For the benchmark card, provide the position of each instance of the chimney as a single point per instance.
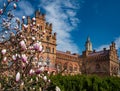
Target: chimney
(37, 14)
(94, 51)
(68, 52)
(104, 49)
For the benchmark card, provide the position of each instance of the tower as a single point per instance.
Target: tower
(88, 45)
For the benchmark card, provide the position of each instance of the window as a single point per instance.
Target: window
(48, 49)
(59, 67)
(65, 66)
(97, 67)
(75, 68)
(47, 38)
(70, 68)
(52, 50)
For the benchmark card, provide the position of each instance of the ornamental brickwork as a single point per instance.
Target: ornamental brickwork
(103, 63)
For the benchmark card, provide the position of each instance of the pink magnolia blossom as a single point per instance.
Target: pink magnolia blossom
(17, 76)
(25, 26)
(30, 47)
(14, 57)
(40, 63)
(33, 19)
(5, 59)
(31, 72)
(6, 32)
(1, 11)
(42, 69)
(57, 88)
(37, 46)
(23, 45)
(37, 71)
(14, 5)
(45, 78)
(24, 58)
(23, 17)
(33, 38)
(3, 51)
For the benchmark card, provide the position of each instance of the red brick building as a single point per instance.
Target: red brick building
(104, 62)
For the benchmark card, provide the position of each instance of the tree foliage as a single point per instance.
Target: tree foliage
(86, 83)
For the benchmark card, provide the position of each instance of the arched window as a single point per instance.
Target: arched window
(65, 66)
(52, 50)
(97, 67)
(70, 68)
(75, 68)
(59, 67)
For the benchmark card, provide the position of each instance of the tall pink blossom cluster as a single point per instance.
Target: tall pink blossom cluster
(37, 46)
(23, 45)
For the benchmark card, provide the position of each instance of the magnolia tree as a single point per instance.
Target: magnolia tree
(20, 65)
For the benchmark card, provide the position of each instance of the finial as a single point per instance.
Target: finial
(88, 38)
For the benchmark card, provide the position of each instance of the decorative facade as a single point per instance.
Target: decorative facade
(104, 62)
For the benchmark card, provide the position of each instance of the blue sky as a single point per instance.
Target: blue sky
(74, 20)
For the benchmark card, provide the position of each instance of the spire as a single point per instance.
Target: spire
(88, 39)
(88, 44)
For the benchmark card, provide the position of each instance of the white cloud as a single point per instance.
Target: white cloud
(117, 42)
(62, 14)
(101, 47)
(25, 9)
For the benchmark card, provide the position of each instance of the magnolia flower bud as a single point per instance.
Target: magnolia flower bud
(31, 72)
(24, 58)
(37, 46)
(14, 5)
(33, 38)
(17, 76)
(37, 71)
(5, 59)
(33, 19)
(14, 57)
(25, 27)
(45, 78)
(41, 69)
(6, 32)
(23, 45)
(3, 51)
(57, 88)
(23, 17)
(1, 11)
(37, 79)
(31, 80)
(49, 80)
(33, 23)
(40, 63)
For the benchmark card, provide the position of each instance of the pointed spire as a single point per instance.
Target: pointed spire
(88, 44)
(88, 39)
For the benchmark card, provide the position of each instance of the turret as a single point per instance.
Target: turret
(88, 45)
(37, 14)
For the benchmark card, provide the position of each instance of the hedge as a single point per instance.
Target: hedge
(86, 83)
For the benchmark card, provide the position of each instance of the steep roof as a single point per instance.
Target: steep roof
(100, 55)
